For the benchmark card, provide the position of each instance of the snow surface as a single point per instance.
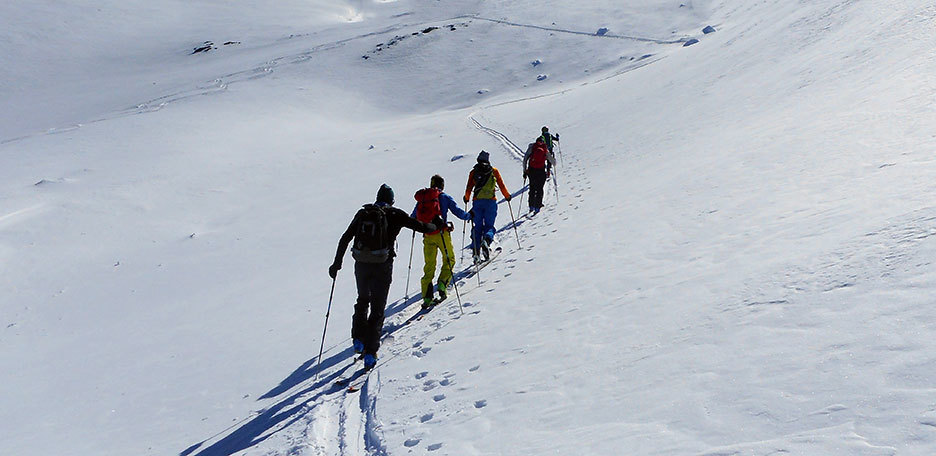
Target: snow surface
(739, 258)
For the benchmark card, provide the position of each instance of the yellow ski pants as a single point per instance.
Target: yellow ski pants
(431, 245)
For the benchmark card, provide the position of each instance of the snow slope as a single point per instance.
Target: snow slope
(738, 260)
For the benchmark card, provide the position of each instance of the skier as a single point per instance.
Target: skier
(537, 165)
(549, 138)
(374, 230)
(431, 203)
(481, 181)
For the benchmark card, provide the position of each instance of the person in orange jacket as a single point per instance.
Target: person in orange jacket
(481, 183)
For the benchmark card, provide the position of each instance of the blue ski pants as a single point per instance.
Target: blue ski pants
(485, 213)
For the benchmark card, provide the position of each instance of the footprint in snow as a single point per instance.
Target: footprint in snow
(474, 369)
(434, 446)
(438, 397)
(409, 443)
(421, 375)
(425, 418)
(429, 385)
(480, 404)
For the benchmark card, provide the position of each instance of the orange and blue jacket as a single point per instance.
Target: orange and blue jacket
(487, 190)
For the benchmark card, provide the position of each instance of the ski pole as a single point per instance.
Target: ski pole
(556, 187)
(474, 249)
(514, 224)
(452, 266)
(331, 295)
(410, 267)
(520, 207)
(464, 225)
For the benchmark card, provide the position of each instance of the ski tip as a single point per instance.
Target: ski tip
(352, 389)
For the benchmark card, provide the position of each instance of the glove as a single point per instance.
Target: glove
(451, 227)
(508, 198)
(471, 214)
(524, 175)
(438, 222)
(333, 269)
(557, 136)
(465, 199)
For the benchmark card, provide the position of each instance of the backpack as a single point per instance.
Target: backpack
(538, 157)
(427, 206)
(482, 175)
(372, 240)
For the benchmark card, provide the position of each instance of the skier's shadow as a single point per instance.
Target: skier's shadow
(250, 432)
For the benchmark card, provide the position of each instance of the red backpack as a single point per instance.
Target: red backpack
(538, 158)
(427, 207)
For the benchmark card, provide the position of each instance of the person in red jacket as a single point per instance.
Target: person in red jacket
(537, 164)
(482, 181)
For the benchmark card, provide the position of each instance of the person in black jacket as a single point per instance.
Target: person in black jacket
(549, 138)
(374, 229)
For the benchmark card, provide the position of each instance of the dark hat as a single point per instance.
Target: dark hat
(545, 129)
(483, 157)
(385, 194)
(540, 139)
(437, 182)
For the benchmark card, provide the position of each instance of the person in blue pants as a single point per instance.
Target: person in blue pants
(483, 180)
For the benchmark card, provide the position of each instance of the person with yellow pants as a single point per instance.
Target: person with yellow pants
(432, 203)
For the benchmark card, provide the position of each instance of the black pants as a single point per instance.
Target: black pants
(373, 285)
(537, 182)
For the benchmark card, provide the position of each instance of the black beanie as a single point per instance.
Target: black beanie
(385, 194)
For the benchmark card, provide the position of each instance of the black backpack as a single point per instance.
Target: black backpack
(482, 173)
(372, 240)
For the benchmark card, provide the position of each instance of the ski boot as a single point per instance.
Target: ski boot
(428, 301)
(370, 360)
(358, 346)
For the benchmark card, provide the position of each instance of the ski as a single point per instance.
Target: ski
(473, 269)
(342, 382)
(360, 377)
(425, 310)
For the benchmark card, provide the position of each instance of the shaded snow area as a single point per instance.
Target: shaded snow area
(736, 257)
